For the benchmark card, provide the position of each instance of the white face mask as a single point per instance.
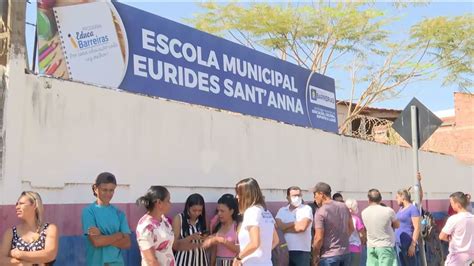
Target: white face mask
(296, 201)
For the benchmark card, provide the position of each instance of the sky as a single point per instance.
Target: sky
(430, 93)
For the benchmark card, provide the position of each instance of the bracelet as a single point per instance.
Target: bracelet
(238, 258)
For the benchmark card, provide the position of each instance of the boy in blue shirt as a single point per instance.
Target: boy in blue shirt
(104, 225)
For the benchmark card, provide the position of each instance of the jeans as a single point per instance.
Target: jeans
(363, 256)
(405, 260)
(341, 260)
(355, 258)
(299, 258)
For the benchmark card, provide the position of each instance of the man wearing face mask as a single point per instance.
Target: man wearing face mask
(295, 221)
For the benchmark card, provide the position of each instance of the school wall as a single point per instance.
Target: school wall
(60, 134)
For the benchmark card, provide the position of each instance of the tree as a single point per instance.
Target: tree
(451, 46)
(351, 36)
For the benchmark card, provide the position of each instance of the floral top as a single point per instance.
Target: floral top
(158, 235)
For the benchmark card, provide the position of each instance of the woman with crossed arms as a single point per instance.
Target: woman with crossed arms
(32, 241)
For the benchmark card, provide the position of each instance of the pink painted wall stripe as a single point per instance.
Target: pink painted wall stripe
(68, 216)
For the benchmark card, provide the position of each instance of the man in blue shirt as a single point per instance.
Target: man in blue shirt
(104, 225)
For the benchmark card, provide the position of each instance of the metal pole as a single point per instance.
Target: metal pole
(33, 62)
(414, 145)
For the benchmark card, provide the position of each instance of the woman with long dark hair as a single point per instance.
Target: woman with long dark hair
(190, 228)
(223, 244)
(154, 234)
(257, 234)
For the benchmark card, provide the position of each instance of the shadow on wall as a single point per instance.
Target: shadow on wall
(72, 251)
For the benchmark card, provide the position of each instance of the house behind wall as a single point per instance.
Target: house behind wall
(454, 137)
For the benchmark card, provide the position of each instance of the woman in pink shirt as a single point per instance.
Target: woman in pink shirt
(359, 235)
(223, 243)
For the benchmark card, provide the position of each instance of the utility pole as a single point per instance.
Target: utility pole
(416, 168)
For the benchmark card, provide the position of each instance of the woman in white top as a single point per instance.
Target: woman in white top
(459, 231)
(257, 235)
(154, 233)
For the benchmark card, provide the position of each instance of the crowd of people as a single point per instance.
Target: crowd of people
(325, 231)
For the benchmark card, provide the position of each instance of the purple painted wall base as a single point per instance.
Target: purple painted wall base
(72, 246)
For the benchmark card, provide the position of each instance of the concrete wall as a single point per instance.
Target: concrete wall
(60, 134)
(57, 135)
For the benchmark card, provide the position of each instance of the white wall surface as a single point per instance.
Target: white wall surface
(59, 135)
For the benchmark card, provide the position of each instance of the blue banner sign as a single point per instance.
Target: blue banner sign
(154, 56)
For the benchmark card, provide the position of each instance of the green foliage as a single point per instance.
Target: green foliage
(451, 46)
(353, 36)
(309, 35)
(392, 137)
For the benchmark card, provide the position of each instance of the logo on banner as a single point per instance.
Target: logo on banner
(322, 97)
(87, 39)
